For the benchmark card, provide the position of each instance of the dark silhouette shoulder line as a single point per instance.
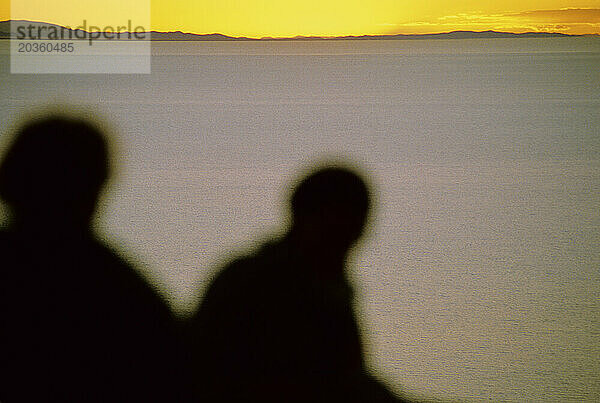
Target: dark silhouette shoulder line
(78, 322)
(278, 325)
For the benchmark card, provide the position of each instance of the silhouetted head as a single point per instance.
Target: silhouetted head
(329, 210)
(53, 172)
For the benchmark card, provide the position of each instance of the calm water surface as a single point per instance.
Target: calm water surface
(479, 279)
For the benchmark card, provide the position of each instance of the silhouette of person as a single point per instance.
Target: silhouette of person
(77, 322)
(278, 325)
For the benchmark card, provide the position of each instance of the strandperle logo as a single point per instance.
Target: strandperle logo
(46, 48)
(75, 37)
(82, 32)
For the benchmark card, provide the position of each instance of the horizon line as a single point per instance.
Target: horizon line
(324, 37)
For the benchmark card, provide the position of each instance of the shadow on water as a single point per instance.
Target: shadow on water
(278, 325)
(78, 322)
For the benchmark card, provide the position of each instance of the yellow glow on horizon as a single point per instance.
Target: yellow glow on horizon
(324, 17)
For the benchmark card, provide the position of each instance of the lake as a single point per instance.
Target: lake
(478, 279)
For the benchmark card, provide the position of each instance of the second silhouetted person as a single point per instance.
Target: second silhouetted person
(278, 325)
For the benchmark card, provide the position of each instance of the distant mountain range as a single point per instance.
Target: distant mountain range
(46, 28)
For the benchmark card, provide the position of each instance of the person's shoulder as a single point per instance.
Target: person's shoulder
(234, 275)
(252, 267)
(124, 275)
(112, 262)
(240, 278)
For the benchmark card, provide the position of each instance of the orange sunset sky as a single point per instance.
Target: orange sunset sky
(319, 17)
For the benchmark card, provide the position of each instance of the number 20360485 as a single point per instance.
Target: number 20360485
(45, 47)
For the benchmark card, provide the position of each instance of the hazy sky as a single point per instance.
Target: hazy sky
(319, 17)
